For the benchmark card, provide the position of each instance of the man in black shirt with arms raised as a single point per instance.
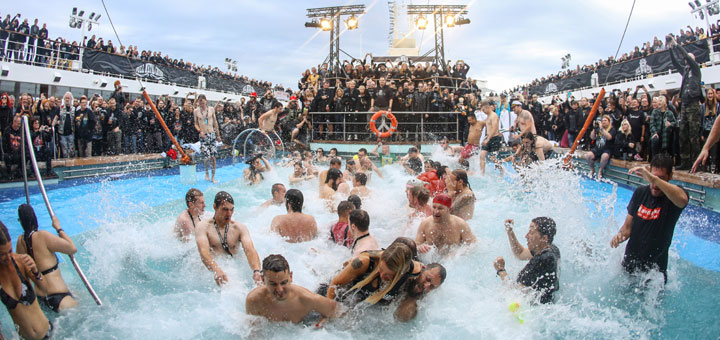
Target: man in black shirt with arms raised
(653, 212)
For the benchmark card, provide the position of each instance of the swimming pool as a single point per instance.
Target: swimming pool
(155, 287)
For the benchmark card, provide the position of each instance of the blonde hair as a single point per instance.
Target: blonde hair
(398, 258)
(711, 104)
(629, 128)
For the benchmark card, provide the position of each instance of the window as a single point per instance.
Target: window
(30, 88)
(7, 87)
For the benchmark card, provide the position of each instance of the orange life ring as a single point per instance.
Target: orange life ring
(393, 124)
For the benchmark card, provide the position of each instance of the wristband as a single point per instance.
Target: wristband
(59, 230)
(501, 270)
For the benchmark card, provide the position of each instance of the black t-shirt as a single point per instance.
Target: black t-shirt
(603, 144)
(637, 120)
(383, 96)
(653, 225)
(541, 273)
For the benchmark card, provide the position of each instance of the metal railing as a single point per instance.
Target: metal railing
(411, 126)
(53, 53)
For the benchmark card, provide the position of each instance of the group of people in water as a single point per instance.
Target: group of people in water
(440, 202)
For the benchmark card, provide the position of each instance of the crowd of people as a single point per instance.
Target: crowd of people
(440, 204)
(683, 37)
(339, 99)
(21, 41)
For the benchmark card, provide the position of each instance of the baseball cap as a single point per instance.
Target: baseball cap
(515, 102)
(253, 94)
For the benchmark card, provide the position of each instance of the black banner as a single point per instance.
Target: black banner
(571, 83)
(654, 63)
(116, 64)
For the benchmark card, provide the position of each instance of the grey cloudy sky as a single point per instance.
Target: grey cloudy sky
(507, 43)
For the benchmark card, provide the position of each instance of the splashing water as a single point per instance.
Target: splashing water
(155, 287)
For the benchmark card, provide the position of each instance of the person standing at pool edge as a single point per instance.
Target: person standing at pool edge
(207, 125)
(223, 235)
(653, 212)
(186, 223)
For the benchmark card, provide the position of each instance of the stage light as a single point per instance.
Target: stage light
(697, 3)
(351, 23)
(325, 24)
(97, 18)
(92, 15)
(421, 22)
(312, 24)
(83, 13)
(74, 12)
(462, 21)
(450, 20)
(691, 5)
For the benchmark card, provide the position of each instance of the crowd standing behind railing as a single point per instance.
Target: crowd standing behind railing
(657, 45)
(22, 42)
(439, 95)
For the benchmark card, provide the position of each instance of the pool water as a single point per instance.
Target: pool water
(155, 287)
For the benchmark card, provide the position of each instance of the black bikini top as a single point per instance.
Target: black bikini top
(28, 245)
(27, 294)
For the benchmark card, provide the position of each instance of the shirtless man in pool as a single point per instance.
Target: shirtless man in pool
(473, 140)
(221, 235)
(266, 122)
(280, 300)
(442, 229)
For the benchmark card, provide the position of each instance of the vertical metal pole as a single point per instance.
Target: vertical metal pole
(344, 126)
(22, 159)
(422, 126)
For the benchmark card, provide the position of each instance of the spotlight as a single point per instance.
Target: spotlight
(83, 12)
(72, 23)
(691, 5)
(97, 18)
(697, 3)
(312, 24)
(462, 21)
(351, 23)
(89, 26)
(74, 12)
(92, 15)
(450, 20)
(79, 24)
(325, 24)
(421, 22)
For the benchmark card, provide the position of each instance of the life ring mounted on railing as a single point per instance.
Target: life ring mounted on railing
(387, 130)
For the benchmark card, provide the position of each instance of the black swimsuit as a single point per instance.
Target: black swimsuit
(27, 294)
(352, 250)
(52, 301)
(364, 292)
(191, 218)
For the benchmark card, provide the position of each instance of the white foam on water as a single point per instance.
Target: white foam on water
(155, 287)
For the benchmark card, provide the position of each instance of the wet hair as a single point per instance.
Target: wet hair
(412, 149)
(410, 243)
(462, 176)
(221, 197)
(332, 175)
(443, 272)
(398, 258)
(364, 150)
(277, 104)
(336, 150)
(27, 218)
(335, 160)
(355, 200)
(361, 178)
(294, 198)
(192, 195)
(276, 187)
(360, 219)
(4, 235)
(345, 207)
(545, 226)
(662, 161)
(275, 263)
(422, 194)
(464, 164)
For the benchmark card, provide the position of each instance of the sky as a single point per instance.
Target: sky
(507, 43)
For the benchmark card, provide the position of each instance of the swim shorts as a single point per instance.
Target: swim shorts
(493, 144)
(207, 145)
(469, 150)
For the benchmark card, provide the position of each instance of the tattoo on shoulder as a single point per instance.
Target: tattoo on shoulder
(356, 264)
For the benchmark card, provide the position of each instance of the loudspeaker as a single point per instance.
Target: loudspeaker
(5, 71)
(57, 77)
(103, 82)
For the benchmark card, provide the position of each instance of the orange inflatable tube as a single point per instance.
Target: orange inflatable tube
(588, 121)
(185, 158)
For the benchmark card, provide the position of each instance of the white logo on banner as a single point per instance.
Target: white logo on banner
(644, 68)
(150, 71)
(551, 88)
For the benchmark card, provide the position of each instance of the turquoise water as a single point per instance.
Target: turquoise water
(155, 287)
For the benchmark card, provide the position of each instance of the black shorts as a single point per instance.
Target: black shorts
(493, 144)
(598, 153)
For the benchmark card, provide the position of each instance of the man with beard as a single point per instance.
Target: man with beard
(268, 101)
(280, 300)
(442, 229)
(431, 277)
(252, 109)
